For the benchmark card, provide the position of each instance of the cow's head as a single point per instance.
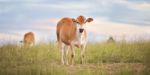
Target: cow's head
(81, 23)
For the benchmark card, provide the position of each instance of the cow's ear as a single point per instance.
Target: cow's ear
(89, 20)
(74, 20)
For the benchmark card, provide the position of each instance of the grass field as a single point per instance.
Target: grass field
(101, 59)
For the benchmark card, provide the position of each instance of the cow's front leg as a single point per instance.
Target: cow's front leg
(72, 55)
(82, 49)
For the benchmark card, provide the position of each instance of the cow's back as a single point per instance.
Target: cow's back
(66, 30)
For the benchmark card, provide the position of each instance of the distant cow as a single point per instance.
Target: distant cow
(71, 32)
(110, 40)
(28, 38)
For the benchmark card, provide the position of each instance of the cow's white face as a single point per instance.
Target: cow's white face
(81, 23)
(81, 28)
(80, 34)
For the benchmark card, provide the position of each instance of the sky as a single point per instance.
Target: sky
(122, 19)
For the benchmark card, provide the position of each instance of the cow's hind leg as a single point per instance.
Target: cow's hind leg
(62, 48)
(66, 54)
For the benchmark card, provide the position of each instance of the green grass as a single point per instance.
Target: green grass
(101, 59)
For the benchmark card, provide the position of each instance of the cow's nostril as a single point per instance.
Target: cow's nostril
(81, 30)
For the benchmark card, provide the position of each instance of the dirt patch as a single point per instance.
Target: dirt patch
(110, 68)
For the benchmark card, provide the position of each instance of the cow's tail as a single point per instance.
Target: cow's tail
(57, 32)
(57, 36)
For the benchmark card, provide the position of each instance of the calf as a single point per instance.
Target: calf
(28, 38)
(71, 32)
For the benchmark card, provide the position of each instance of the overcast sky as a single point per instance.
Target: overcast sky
(127, 19)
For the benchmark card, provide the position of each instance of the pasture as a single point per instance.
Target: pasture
(121, 58)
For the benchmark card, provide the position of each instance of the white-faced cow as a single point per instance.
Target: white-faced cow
(71, 32)
(28, 39)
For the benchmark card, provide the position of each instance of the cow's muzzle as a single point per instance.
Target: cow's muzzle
(81, 30)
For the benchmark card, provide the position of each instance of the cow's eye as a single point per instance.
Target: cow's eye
(77, 22)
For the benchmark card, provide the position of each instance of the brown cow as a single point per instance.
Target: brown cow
(71, 32)
(29, 38)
